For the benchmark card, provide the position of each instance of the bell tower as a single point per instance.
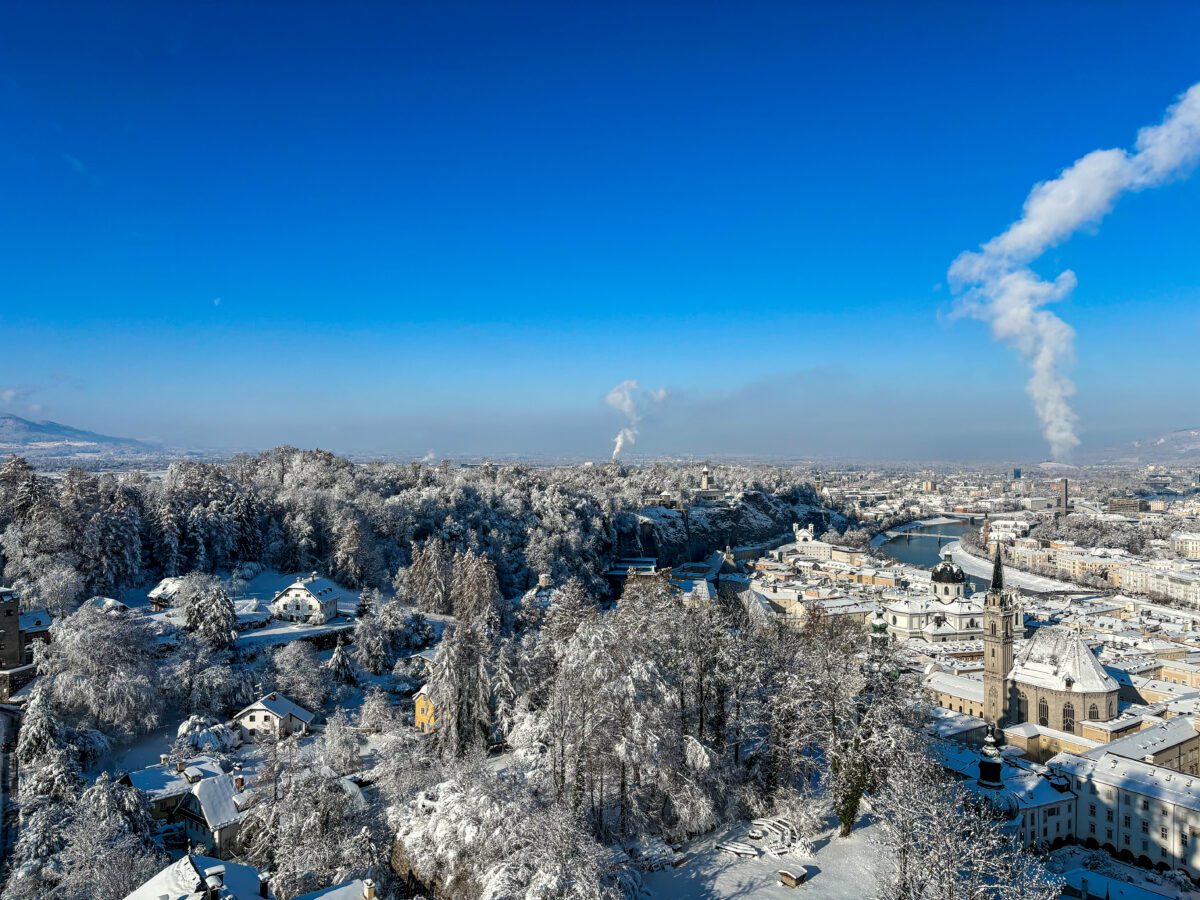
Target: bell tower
(998, 618)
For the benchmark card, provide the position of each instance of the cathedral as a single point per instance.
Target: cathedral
(1055, 682)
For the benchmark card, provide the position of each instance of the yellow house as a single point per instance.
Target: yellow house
(423, 717)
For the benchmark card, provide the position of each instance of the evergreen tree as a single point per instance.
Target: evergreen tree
(370, 646)
(340, 666)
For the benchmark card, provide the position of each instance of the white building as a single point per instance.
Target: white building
(274, 716)
(309, 599)
(1186, 544)
(1129, 807)
(947, 615)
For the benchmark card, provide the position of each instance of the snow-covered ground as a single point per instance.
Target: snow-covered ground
(1109, 877)
(839, 869)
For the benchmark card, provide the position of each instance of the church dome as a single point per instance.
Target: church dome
(947, 572)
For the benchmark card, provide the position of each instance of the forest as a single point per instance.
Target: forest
(579, 737)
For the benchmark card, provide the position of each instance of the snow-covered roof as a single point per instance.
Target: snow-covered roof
(351, 890)
(35, 620)
(164, 780)
(166, 589)
(1131, 775)
(278, 705)
(1059, 659)
(956, 686)
(1152, 740)
(219, 801)
(184, 879)
(325, 590)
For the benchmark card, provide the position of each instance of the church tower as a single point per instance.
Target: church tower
(998, 618)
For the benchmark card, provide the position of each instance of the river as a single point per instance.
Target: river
(918, 547)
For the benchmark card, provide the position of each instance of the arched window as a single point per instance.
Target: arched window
(1043, 713)
(1111, 713)
(893, 620)
(1094, 712)
(1022, 707)
(1069, 718)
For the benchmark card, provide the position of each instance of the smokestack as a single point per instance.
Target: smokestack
(368, 889)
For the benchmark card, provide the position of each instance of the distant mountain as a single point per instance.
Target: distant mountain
(1182, 446)
(19, 435)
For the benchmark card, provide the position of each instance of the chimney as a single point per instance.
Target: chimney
(543, 581)
(180, 765)
(263, 885)
(214, 881)
(272, 696)
(368, 889)
(164, 758)
(239, 783)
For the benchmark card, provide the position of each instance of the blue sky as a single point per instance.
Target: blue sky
(455, 227)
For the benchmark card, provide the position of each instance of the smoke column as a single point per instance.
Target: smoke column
(630, 400)
(996, 285)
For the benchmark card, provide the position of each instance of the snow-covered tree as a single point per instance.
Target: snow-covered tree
(298, 673)
(339, 667)
(208, 611)
(370, 644)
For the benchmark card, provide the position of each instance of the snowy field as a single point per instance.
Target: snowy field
(839, 869)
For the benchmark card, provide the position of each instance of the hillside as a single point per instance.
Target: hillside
(28, 438)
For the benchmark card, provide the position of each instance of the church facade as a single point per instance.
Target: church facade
(1055, 682)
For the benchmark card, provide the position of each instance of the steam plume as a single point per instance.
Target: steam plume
(996, 285)
(630, 400)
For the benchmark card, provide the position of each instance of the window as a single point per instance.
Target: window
(1127, 822)
(1043, 713)
(1145, 828)
(1163, 832)
(993, 629)
(1111, 711)
(1022, 707)
(1093, 712)
(1108, 815)
(1068, 718)
(1091, 828)
(1092, 810)
(1126, 840)
(1145, 804)
(1183, 838)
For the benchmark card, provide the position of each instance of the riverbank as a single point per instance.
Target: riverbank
(979, 567)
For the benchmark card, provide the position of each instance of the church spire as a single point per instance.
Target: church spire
(997, 572)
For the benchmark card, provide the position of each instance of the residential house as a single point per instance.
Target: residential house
(211, 813)
(424, 715)
(203, 878)
(273, 716)
(165, 784)
(309, 599)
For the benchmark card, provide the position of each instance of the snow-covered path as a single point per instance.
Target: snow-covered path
(840, 869)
